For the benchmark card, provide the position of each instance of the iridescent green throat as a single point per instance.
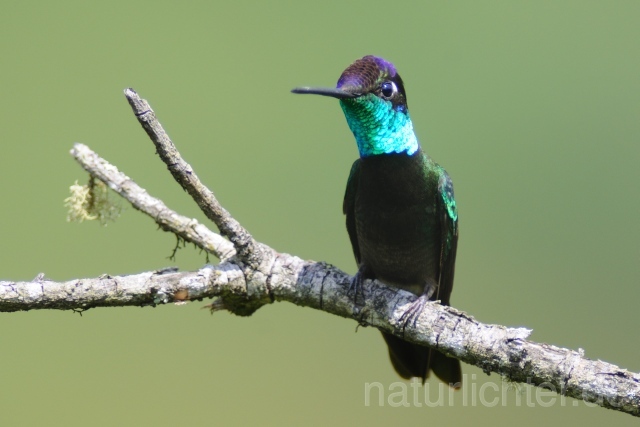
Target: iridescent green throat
(379, 128)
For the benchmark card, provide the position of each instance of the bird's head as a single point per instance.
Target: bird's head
(374, 101)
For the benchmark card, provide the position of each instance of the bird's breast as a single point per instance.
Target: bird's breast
(397, 224)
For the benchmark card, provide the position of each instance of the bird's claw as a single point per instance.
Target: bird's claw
(410, 315)
(356, 289)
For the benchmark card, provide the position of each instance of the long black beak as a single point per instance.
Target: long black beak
(325, 91)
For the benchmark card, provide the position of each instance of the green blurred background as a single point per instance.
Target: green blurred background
(532, 107)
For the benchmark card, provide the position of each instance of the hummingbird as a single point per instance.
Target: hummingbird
(399, 204)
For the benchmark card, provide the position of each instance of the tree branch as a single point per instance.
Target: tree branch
(248, 249)
(188, 229)
(258, 275)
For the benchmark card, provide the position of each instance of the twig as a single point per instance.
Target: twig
(188, 229)
(248, 249)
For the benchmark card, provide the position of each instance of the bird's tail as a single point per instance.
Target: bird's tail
(413, 360)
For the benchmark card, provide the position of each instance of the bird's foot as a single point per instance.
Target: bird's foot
(410, 315)
(356, 288)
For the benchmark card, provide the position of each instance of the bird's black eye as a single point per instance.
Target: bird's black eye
(388, 89)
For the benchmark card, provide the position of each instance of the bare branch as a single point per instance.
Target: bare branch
(494, 348)
(188, 229)
(145, 289)
(258, 275)
(247, 248)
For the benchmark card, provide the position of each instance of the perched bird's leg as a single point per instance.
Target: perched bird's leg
(356, 287)
(415, 308)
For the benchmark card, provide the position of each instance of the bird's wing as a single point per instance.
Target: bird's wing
(448, 213)
(348, 207)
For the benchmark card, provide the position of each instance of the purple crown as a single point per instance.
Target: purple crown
(366, 73)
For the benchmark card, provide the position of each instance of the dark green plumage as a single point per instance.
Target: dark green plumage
(401, 213)
(404, 236)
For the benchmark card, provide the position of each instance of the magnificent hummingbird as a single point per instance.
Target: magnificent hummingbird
(399, 204)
